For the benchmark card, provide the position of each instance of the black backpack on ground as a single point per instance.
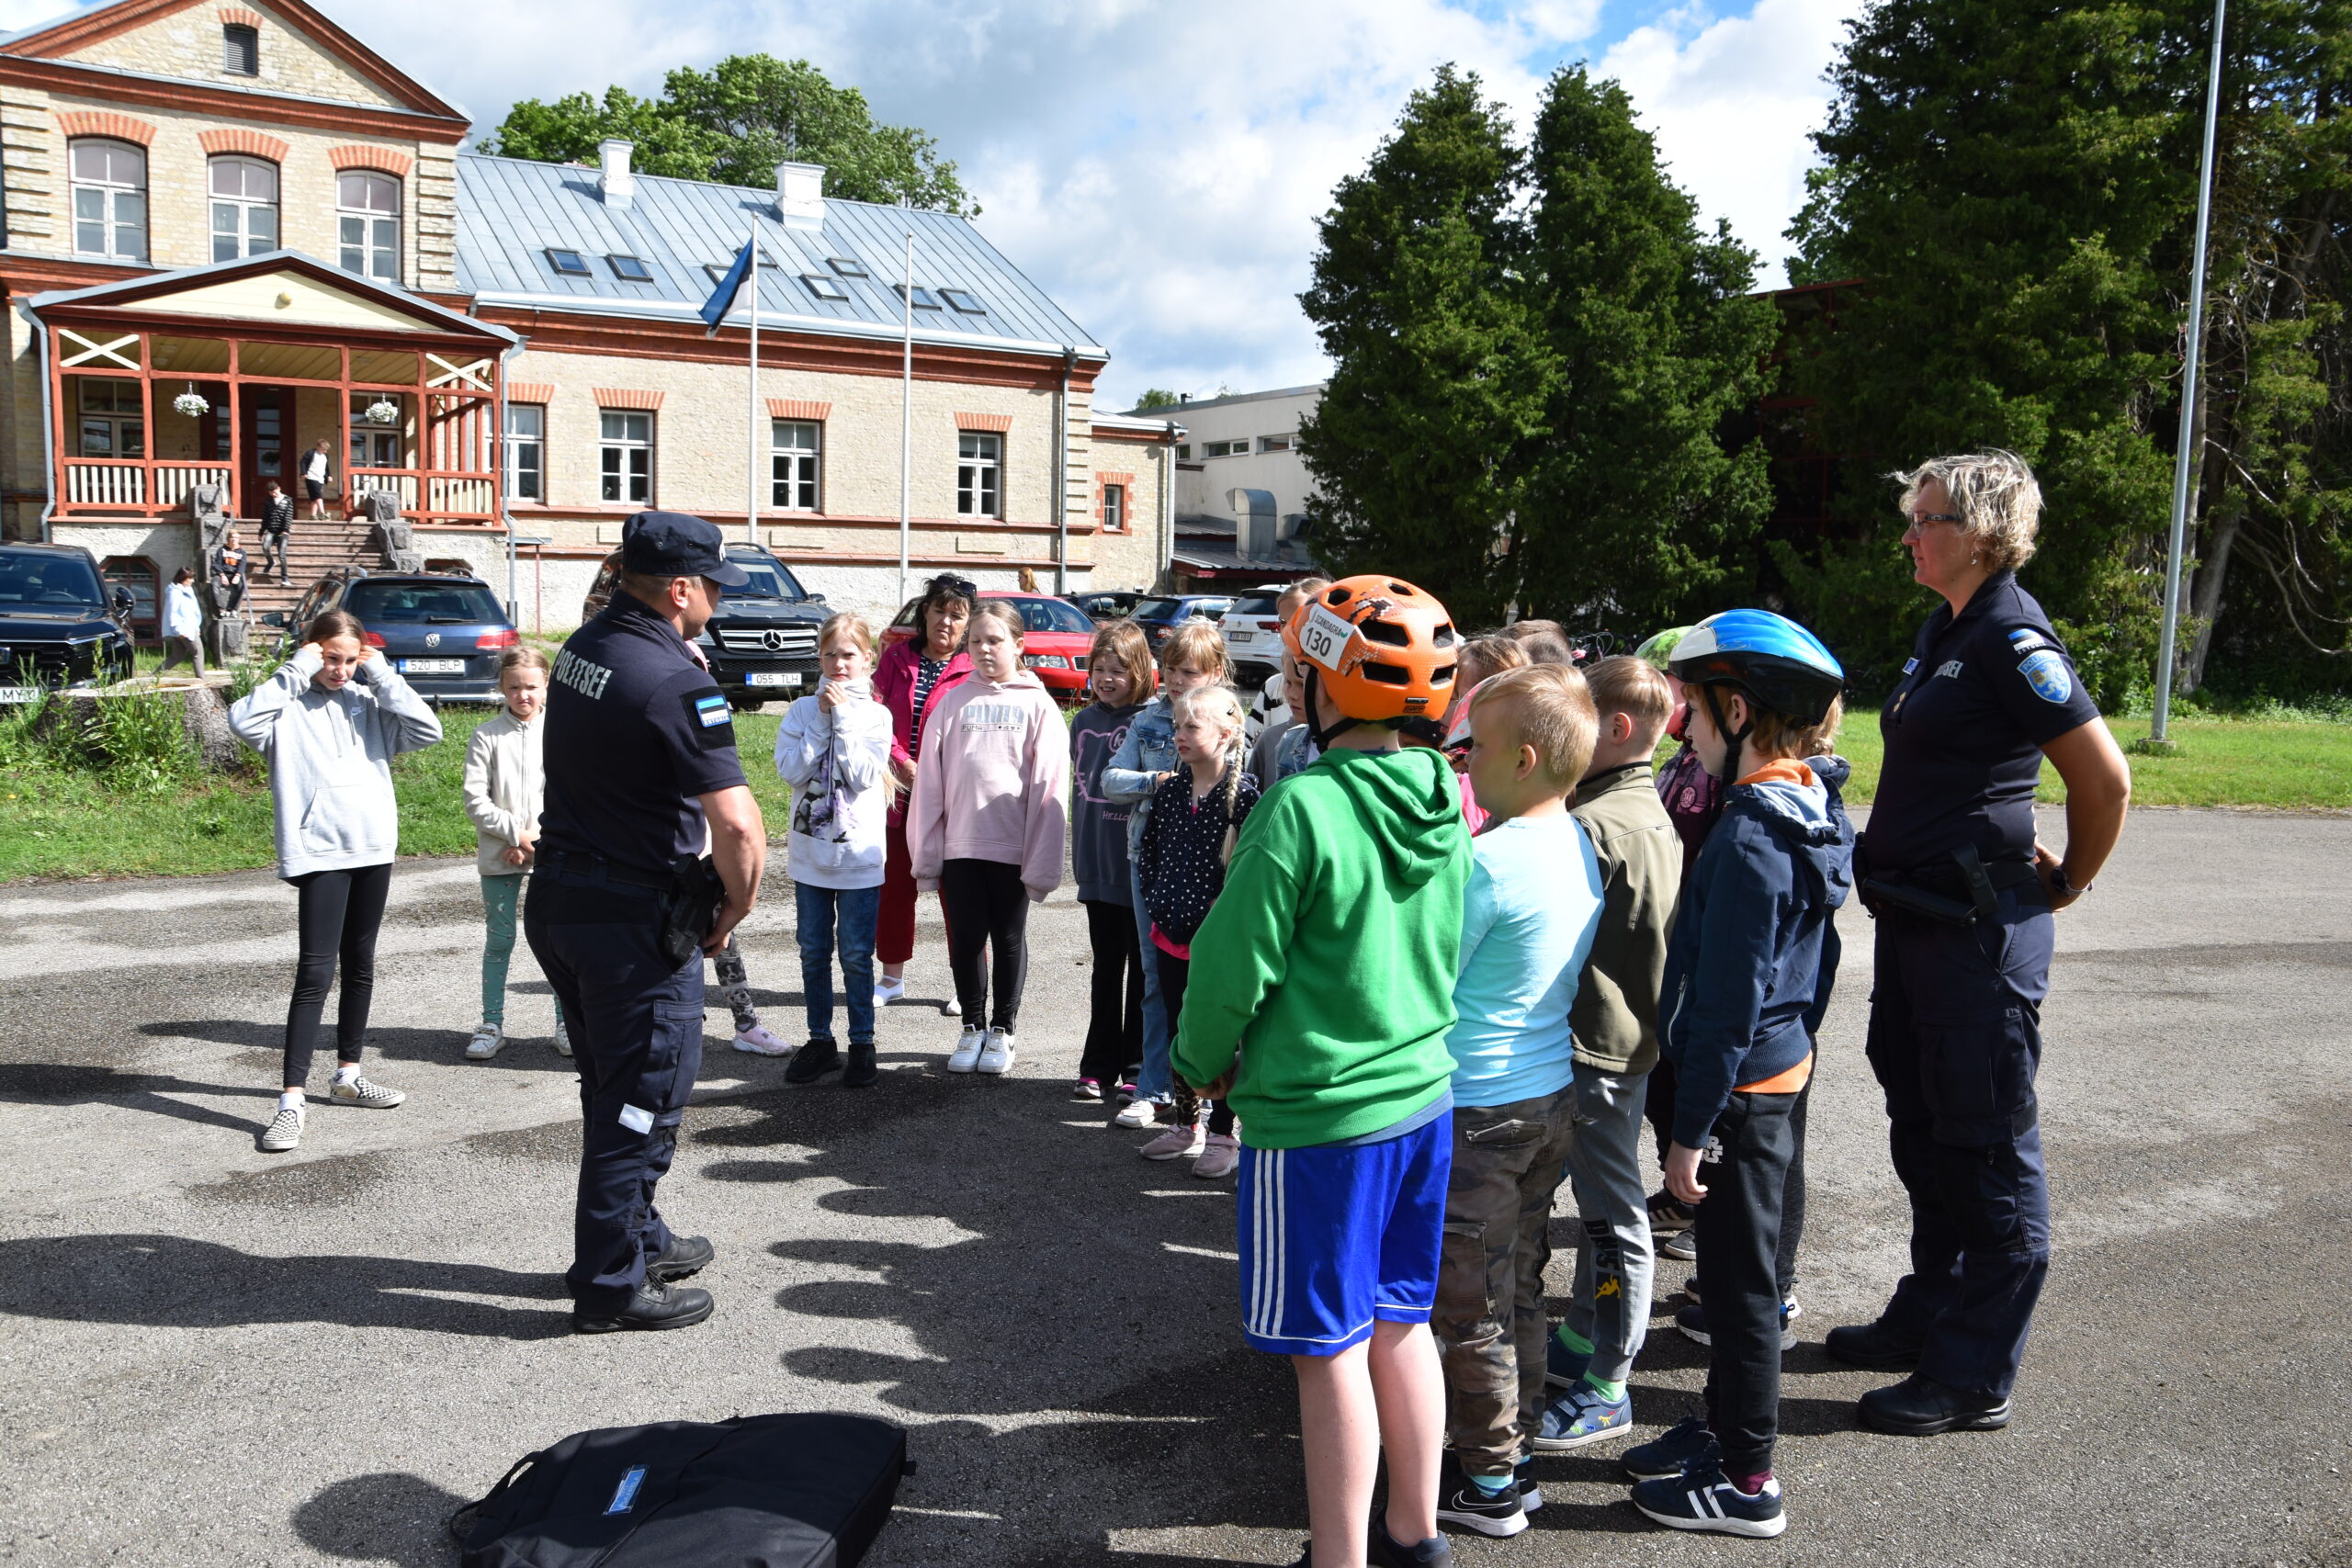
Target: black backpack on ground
(756, 1492)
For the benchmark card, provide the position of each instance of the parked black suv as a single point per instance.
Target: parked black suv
(762, 642)
(58, 626)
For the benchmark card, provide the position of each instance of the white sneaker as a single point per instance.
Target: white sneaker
(966, 1054)
(761, 1041)
(368, 1096)
(562, 1039)
(284, 1132)
(1136, 1113)
(888, 991)
(951, 1008)
(1176, 1143)
(997, 1054)
(488, 1038)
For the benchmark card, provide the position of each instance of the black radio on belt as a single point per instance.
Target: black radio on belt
(1979, 886)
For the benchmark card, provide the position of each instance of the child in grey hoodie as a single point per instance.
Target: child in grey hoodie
(330, 722)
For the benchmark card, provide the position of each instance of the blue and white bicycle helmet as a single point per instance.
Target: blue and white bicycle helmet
(1776, 663)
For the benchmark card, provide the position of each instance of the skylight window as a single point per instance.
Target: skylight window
(823, 288)
(964, 299)
(631, 269)
(924, 300)
(848, 267)
(567, 264)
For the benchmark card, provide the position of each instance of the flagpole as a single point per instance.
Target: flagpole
(907, 418)
(751, 416)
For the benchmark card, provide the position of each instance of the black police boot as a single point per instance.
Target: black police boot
(684, 1256)
(1871, 1345)
(861, 1071)
(813, 1061)
(655, 1305)
(1919, 1407)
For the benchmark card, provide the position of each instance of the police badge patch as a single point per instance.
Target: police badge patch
(2047, 674)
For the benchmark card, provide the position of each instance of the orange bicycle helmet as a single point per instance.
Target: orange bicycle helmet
(1381, 649)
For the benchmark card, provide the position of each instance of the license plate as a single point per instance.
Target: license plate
(1238, 635)
(772, 678)
(433, 666)
(19, 694)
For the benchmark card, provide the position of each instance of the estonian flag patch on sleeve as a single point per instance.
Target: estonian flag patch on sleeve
(710, 710)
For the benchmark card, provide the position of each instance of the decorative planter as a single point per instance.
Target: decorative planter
(191, 405)
(384, 412)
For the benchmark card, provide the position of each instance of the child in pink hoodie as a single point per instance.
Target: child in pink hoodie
(986, 825)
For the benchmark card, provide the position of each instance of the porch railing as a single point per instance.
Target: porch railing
(117, 485)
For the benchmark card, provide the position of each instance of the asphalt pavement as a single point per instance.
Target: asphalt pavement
(209, 1356)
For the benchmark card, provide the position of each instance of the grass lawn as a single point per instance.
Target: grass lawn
(2293, 764)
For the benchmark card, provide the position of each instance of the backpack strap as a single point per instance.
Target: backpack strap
(461, 1523)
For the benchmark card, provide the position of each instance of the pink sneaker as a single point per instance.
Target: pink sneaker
(1176, 1143)
(1219, 1157)
(761, 1041)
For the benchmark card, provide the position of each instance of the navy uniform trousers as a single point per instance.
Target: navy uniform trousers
(636, 1026)
(1955, 1037)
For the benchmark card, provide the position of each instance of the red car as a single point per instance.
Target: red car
(1060, 634)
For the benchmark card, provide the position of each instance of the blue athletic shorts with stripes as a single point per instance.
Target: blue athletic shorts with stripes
(1336, 1235)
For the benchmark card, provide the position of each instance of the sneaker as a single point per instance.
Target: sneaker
(1583, 1415)
(368, 1096)
(862, 1068)
(1683, 1245)
(951, 1008)
(1136, 1113)
(1087, 1091)
(966, 1054)
(997, 1055)
(1385, 1551)
(888, 991)
(1125, 1093)
(1462, 1501)
(1176, 1143)
(562, 1040)
(1530, 1498)
(486, 1042)
(1703, 1498)
(1682, 1445)
(816, 1059)
(1562, 1366)
(1668, 1215)
(761, 1041)
(655, 1305)
(1919, 1407)
(284, 1132)
(1693, 1321)
(1219, 1154)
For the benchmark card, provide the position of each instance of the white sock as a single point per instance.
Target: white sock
(346, 1072)
(290, 1100)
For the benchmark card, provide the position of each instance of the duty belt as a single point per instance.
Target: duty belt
(596, 868)
(1928, 890)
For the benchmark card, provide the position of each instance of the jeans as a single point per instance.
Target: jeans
(1609, 1304)
(846, 917)
(987, 909)
(338, 915)
(1156, 1082)
(1745, 1169)
(1115, 1030)
(1489, 1322)
(500, 897)
(273, 548)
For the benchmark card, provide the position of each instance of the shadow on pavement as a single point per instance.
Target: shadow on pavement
(392, 1517)
(392, 1044)
(169, 1282)
(59, 1083)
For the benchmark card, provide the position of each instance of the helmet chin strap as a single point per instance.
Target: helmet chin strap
(1323, 736)
(1732, 742)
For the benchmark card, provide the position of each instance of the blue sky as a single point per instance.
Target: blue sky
(1159, 167)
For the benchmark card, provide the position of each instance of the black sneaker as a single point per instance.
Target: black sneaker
(1683, 1245)
(1919, 1407)
(655, 1305)
(1530, 1496)
(1385, 1551)
(1693, 1321)
(1462, 1501)
(1703, 1498)
(862, 1070)
(813, 1061)
(685, 1255)
(1668, 1213)
(1871, 1345)
(1685, 1443)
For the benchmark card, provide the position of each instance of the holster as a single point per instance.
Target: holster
(1983, 884)
(690, 907)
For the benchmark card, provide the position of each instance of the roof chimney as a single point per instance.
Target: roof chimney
(800, 195)
(618, 184)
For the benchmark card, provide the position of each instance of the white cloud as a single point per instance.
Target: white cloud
(1158, 168)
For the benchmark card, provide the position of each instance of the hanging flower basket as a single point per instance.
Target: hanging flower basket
(384, 411)
(191, 405)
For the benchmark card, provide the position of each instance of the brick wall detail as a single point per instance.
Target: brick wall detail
(627, 398)
(353, 155)
(119, 127)
(1000, 423)
(238, 16)
(238, 139)
(799, 408)
(530, 391)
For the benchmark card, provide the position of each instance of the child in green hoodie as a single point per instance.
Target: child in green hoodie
(1326, 968)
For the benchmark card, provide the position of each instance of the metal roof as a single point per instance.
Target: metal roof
(511, 211)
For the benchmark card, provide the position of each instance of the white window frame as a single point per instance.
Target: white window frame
(625, 456)
(1115, 508)
(797, 471)
(121, 418)
(532, 440)
(378, 245)
(980, 474)
(242, 208)
(371, 442)
(113, 196)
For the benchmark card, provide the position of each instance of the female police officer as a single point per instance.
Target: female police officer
(1964, 894)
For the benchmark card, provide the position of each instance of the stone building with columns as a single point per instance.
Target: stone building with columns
(234, 230)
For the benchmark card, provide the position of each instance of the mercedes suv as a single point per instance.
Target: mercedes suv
(761, 644)
(58, 626)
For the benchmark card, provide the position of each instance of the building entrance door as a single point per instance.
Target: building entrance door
(268, 446)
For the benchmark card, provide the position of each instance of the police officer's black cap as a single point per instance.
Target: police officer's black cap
(674, 544)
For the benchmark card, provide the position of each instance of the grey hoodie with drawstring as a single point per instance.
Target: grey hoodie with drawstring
(330, 761)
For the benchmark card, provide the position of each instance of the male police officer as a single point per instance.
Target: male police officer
(642, 774)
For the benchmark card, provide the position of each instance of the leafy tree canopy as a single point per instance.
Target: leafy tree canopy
(1156, 398)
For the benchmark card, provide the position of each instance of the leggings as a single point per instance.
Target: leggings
(1114, 1030)
(339, 912)
(500, 895)
(987, 907)
(1173, 973)
(735, 985)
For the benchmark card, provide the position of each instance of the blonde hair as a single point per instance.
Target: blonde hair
(1634, 687)
(1123, 643)
(1220, 704)
(1551, 710)
(1996, 497)
(1195, 645)
(851, 623)
(1003, 610)
(523, 657)
(1773, 734)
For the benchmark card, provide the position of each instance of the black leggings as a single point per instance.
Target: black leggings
(987, 907)
(1173, 973)
(1114, 1032)
(340, 913)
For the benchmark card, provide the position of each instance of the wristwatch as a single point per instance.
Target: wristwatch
(2066, 889)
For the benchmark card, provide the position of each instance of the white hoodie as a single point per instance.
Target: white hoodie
(836, 762)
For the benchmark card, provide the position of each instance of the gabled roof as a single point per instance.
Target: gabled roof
(512, 210)
(57, 39)
(150, 288)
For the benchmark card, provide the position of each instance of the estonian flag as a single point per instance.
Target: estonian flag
(716, 308)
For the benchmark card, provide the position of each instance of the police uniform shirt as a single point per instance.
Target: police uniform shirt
(636, 730)
(1984, 691)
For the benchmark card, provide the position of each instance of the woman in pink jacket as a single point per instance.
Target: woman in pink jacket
(986, 823)
(910, 678)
